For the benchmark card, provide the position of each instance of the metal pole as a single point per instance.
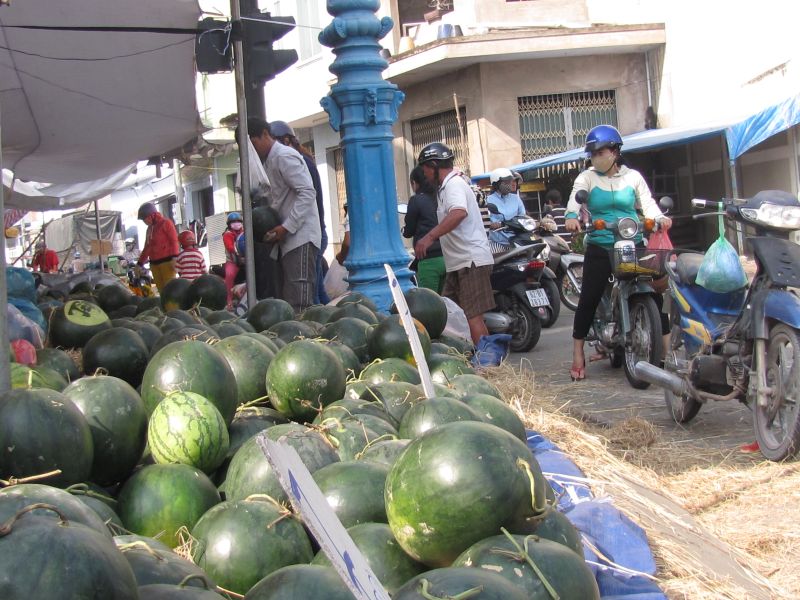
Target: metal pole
(244, 165)
(735, 194)
(99, 239)
(180, 197)
(5, 372)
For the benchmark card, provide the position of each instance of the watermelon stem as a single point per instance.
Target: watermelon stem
(144, 546)
(381, 438)
(527, 468)
(16, 481)
(8, 526)
(189, 578)
(81, 489)
(523, 554)
(462, 596)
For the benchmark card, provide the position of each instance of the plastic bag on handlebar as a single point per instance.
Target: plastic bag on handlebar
(721, 271)
(660, 243)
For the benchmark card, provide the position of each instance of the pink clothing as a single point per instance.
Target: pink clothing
(231, 270)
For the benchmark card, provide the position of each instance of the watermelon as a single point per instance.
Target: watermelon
(154, 563)
(220, 316)
(208, 291)
(390, 369)
(349, 360)
(163, 498)
(41, 431)
(434, 412)
(354, 491)
(290, 330)
(248, 360)
(227, 329)
(186, 428)
(182, 591)
(385, 452)
(303, 377)
(351, 435)
(494, 411)
(184, 316)
(59, 361)
(74, 324)
(250, 473)
(354, 311)
(249, 421)
(473, 384)
(383, 554)
(148, 304)
(389, 339)
(350, 407)
(118, 352)
(128, 310)
(458, 484)
(37, 377)
(551, 525)
(265, 218)
(174, 293)
(565, 571)
(268, 312)
(190, 366)
(357, 298)
(462, 582)
(353, 333)
(395, 396)
(127, 540)
(113, 297)
(82, 287)
(440, 348)
(42, 557)
(118, 422)
(318, 313)
(445, 368)
(99, 502)
(427, 307)
(239, 543)
(459, 344)
(301, 581)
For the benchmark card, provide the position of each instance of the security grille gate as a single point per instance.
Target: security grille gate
(557, 122)
(443, 127)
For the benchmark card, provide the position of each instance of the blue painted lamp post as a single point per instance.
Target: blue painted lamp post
(362, 107)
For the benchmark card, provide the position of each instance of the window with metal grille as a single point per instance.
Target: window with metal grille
(341, 187)
(445, 127)
(557, 122)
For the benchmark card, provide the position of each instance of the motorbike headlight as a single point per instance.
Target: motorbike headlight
(628, 228)
(773, 215)
(527, 223)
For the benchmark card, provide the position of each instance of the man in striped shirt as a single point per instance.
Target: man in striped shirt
(190, 263)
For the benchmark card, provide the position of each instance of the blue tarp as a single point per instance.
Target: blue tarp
(762, 125)
(609, 531)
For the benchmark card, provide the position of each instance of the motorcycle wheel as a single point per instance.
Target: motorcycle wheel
(568, 292)
(551, 289)
(681, 408)
(777, 425)
(526, 328)
(617, 358)
(645, 343)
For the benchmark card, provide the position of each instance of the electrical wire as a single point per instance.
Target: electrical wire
(76, 58)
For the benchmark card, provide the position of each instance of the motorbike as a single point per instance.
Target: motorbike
(743, 345)
(518, 295)
(520, 233)
(566, 264)
(627, 322)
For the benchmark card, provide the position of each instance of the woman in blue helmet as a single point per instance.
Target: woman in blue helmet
(615, 191)
(232, 259)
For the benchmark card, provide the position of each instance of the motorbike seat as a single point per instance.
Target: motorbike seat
(687, 267)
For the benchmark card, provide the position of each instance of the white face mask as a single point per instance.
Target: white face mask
(603, 162)
(236, 226)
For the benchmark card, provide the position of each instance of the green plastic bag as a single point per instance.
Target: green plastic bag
(721, 271)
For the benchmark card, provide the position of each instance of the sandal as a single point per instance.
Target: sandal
(578, 373)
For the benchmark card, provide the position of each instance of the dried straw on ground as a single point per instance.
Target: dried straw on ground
(720, 525)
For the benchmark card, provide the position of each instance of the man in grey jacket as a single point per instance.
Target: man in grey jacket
(292, 195)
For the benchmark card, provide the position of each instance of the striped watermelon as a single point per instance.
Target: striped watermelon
(186, 428)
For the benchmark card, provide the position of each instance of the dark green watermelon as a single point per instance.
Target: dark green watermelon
(113, 297)
(551, 525)
(304, 377)
(239, 543)
(383, 554)
(389, 340)
(319, 313)
(249, 360)
(350, 362)
(353, 333)
(186, 428)
(208, 291)
(427, 307)
(469, 383)
(445, 368)
(130, 539)
(82, 287)
(495, 411)
(148, 304)
(227, 329)
(190, 366)
(354, 311)
(173, 295)
(351, 435)
(434, 412)
(564, 570)
(349, 407)
(220, 316)
(149, 332)
(385, 452)
(301, 581)
(395, 396)
(186, 317)
(354, 491)
(457, 484)
(461, 582)
(182, 591)
(118, 422)
(390, 369)
(250, 421)
(59, 361)
(99, 503)
(353, 297)
(265, 218)
(119, 352)
(23, 377)
(41, 431)
(163, 498)
(290, 331)
(460, 345)
(153, 564)
(74, 324)
(41, 557)
(268, 312)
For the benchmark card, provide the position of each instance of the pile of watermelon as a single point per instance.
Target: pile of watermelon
(150, 446)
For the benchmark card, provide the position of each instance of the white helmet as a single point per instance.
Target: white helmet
(499, 175)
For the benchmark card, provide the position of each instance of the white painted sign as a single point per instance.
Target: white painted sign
(310, 503)
(411, 332)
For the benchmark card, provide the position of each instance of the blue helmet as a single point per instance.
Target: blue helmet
(602, 136)
(233, 216)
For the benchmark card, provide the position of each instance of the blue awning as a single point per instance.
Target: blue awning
(762, 125)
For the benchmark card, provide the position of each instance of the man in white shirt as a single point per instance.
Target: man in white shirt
(467, 257)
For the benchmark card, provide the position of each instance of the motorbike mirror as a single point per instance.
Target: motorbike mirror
(402, 209)
(581, 196)
(492, 208)
(666, 203)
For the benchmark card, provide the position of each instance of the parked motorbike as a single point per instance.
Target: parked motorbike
(520, 233)
(627, 323)
(744, 345)
(566, 264)
(518, 295)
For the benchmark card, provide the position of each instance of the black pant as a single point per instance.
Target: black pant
(596, 273)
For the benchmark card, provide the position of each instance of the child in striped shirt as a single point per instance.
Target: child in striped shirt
(190, 264)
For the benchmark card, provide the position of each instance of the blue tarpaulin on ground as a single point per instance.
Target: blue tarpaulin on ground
(762, 125)
(608, 530)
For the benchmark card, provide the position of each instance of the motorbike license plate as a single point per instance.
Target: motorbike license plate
(537, 298)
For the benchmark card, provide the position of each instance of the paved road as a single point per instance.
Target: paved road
(607, 398)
